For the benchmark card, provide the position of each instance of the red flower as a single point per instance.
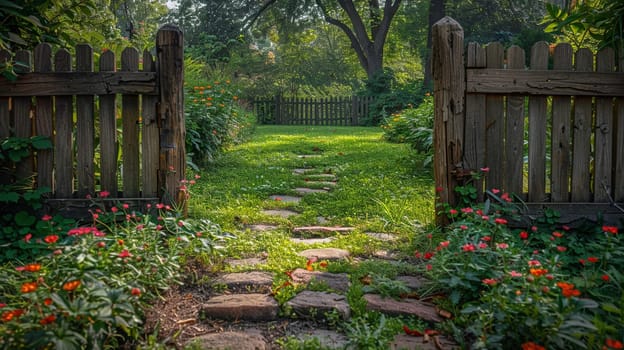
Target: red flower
(453, 212)
(104, 194)
(32, 267)
(486, 238)
(561, 248)
(557, 234)
(467, 210)
(505, 197)
(605, 278)
(592, 259)
(135, 291)
(46, 217)
(27, 237)
(51, 239)
(614, 344)
(47, 302)
(47, 320)
(610, 229)
(500, 221)
(114, 209)
(489, 281)
(428, 255)
(468, 247)
(439, 189)
(9, 315)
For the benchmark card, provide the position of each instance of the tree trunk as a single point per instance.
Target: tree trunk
(436, 13)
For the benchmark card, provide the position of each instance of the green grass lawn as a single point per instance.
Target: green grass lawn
(380, 185)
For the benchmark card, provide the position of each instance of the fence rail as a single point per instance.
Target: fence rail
(551, 132)
(81, 108)
(345, 111)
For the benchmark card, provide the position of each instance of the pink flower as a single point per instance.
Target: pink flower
(505, 197)
(453, 212)
(468, 247)
(485, 169)
(534, 263)
(125, 206)
(495, 190)
(485, 217)
(486, 238)
(125, 254)
(444, 244)
(482, 245)
(463, 227)
(489, 281)
(197, 177)
(439, 189)
(500, 221)
(502, 245)
(181, 223)
(557, 234)
(46, 217)
(515, 274)
(534, 228)
(114, 209)
(561, 248)
(429, 267)
(27, 237)
(467, 210)
(104, 194)
(160, 206)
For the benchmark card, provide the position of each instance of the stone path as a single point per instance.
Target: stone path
(247, 297)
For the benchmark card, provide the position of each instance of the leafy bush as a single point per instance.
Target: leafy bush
(548, 285)
(90, 287)
(413, 126)
(215, 117)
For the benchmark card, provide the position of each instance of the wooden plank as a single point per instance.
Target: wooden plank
(108, 132)
(82, 83)
(544, 82)
(581, 149)
(474, 132)
(22, 114)
(63, 140)
(85, 128)
(561, 142)
(43, 120)
(537, 128)
(494, 123)
(5, 116)
(449, 90)
(169, 45)
(618, 149)
(603, 160)
(577, 212)
(514, 130)
(130, 130)
(149, 137)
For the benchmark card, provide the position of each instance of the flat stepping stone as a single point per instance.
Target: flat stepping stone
(386, 237)
(319, 177)
(305, 190)
(389, 306)
(408, 342)
(303, 156)
(327, 338)
(321, 183)
(301, 171)
(283, 213)
(317, 304)
(412, 282)
(248, 340)
(249, 307)
(310, 241)
(261, 227)
(385, 255)
(335, 281)
(252, 280)
(285, 198)
(325, 253)
(245, 262)
(322, 229)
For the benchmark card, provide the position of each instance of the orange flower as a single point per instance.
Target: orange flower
(567, 289)
(135, 291)
(614, 344)
(71, 285)
(29, 287)
(9, 315)
(32, 267)
(47, 302)
(51, 239)
(532, 346)
(538, 272)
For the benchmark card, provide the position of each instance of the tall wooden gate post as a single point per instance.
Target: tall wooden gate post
(169, 48)
(449, 87)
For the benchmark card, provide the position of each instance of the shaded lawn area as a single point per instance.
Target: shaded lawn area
(382, 186)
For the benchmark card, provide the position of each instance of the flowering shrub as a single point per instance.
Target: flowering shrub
(545, 286)
(90, 287)
(214, 120)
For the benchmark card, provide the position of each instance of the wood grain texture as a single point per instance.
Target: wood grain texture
(85, 128)
(494, 123)
(537, 130)
(108, 132)
(474, 132)
(63, 140)
(618, 149)
(22, 113)
(581, 150)
(603, 137)
(149, 137)
(561, 142)
(43, 120)
(514, 130)
(130, 130)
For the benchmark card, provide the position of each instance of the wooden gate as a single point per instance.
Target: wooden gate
(81, 109)
(550, 132)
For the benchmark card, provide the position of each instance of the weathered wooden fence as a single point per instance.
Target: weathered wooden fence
(346, 111)
(551, 133)
(78, 109)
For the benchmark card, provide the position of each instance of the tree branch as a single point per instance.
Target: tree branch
(355, 44)
(390, 9)
(254, 17)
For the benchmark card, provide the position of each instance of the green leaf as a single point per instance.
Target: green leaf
(9, 197)
(23, 218)
(41, 142)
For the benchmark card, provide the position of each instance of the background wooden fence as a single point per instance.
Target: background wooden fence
(346, 111)
(551, 133)
(78, 108)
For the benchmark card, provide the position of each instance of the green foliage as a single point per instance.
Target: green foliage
(413, 126)
(214, 119)
(89, 289)
(595, 24)
(386, 287)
